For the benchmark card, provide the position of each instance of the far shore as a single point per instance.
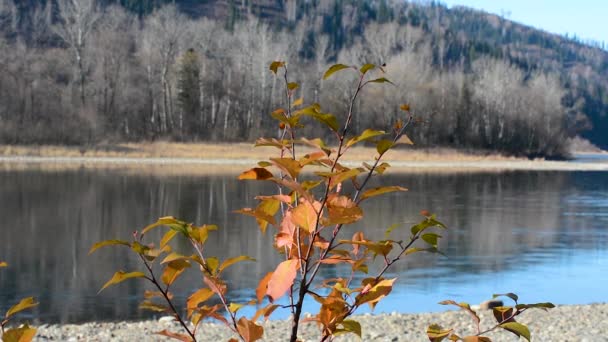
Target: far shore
(200, 158)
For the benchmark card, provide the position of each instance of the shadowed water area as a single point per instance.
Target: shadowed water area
(543, 235)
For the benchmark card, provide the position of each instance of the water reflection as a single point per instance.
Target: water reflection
(518, 229)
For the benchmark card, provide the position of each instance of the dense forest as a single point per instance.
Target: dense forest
(88, 72)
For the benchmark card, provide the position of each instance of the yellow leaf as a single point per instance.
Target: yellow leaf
(381, 190)
(103, 244)
(405, 107)
(333, 69)
(167, 220)
(167, 237)
(436, 333)
(384, 145)
(297, 102)
(367, 67)
(274, 66)
(366, 135)
(148, 305)
(24, 304)
(344, 175)
(288, 165)
(234, 307)
(24, 333)
(233, 261)
(3, 264)
(121, 276)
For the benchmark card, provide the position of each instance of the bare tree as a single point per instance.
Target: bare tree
(78, 18)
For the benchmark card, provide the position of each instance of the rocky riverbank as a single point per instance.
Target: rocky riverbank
(580, 323)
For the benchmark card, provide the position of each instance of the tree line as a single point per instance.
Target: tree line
(86, 74)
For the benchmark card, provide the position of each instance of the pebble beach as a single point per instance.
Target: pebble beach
(571, 323)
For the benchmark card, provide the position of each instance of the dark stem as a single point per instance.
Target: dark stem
(304, 283)
(176, 314)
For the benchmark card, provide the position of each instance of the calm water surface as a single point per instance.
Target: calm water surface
(543, 235)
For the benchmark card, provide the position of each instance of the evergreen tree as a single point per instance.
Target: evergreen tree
(189, 93)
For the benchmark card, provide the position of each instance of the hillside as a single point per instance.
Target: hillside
(479, 80)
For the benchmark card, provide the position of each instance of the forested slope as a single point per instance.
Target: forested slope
(84, 72)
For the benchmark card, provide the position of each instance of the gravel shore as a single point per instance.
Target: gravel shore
(580, 323)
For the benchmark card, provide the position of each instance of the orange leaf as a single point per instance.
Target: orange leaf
(358, 236)
(173, 270)
(266, 311)
(282, 278)
(305, 215)
(24, 333)
(377, 291)
(249, 330)
(257, 173)
(196, 298)
(342, 210)
(260, 292)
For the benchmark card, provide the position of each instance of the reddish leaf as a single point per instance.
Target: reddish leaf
(283, 240)
(215, 284)
(181, 337)
(282, 278)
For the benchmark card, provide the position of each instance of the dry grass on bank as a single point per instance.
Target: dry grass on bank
(236, 151)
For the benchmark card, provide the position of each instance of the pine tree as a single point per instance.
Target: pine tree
(189, 92)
